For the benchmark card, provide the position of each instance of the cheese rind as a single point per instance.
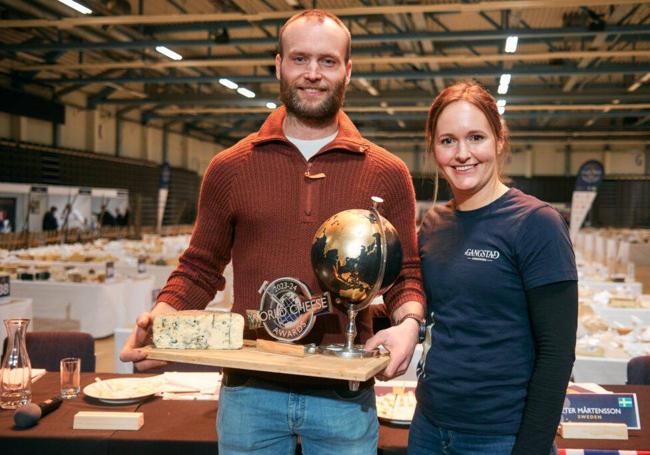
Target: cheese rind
(198, 330)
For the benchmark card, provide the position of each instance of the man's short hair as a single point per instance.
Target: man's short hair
(320, 15)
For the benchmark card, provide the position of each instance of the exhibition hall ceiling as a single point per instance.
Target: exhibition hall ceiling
(561, 70)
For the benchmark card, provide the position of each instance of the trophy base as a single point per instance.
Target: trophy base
(339, 350)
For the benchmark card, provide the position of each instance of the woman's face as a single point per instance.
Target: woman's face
(466, 150)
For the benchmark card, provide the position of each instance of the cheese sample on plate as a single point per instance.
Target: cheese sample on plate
(398, 405)
(198, 330)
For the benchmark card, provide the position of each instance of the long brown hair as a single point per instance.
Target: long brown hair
(477, 95)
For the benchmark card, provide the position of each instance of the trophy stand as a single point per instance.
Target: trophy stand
(349, 350)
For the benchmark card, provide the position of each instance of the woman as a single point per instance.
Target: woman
(501, 285)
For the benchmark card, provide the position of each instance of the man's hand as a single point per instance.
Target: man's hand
(142, 336)
(400, 341)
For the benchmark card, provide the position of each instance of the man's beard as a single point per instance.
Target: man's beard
(313, 115)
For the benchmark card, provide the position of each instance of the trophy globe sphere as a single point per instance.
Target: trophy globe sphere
(346, 256)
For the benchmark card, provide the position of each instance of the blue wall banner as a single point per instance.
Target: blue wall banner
(590, 176)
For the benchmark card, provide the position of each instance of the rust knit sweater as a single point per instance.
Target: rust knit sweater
(261, 204)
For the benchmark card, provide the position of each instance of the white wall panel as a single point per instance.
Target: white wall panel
(5, 125)
(38, 131)
(130, 143)
(175, 149)
(155, 145)
(548, 161)
(625, 162)
(517, 164)
(72, 134)
(104, 131)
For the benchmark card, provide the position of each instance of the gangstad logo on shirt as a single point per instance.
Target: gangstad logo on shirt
(474, 254)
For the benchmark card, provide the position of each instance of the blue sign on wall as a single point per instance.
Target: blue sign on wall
(590, 176)
(165, 175)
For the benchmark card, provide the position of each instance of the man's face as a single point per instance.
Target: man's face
(312, 71)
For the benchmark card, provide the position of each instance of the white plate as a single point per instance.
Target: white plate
(120, 390)
(386, 403)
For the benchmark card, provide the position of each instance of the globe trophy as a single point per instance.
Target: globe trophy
(356, 255)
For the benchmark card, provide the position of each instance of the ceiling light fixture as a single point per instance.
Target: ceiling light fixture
(368, 86)
(271, 105)
(167, 52)
(245, 92)
(503, 89)
(511, 44)
(501, 106)
(634, 86)
(638, 83)
(505, 79)
(390, 111)
(76, 6)
(228, 83)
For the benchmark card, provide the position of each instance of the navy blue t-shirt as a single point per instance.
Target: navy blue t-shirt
(477, 266)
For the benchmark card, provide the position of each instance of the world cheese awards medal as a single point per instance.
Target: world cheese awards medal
(287, 309)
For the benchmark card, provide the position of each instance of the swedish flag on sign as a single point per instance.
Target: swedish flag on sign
(625, 402)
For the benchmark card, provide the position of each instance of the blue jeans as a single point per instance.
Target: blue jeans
(261, 418)
(426, 438)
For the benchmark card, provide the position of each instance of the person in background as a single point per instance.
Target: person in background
(125, 217)
(119, 218)
(71, 218)
(105, 217)
(501, 284)
(5, 222)
(261, 202)
(50, 223)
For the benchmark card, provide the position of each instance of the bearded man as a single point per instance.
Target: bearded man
(261, 202)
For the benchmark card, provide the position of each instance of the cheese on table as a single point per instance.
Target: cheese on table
(198, 330)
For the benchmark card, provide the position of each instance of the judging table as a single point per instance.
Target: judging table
(189, 427)
(88, 307)
(601, 370)
(633, 289)
(622, 315)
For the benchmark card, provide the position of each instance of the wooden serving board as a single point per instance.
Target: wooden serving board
(249, 358)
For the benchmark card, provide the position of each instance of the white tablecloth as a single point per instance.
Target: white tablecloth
(634, 289)
(223, 299)
(622, 315)
(89, 307)
(137, 299)
(600, 370)
(121, 334)
(160, 273)
(14, 308)
(586, 369)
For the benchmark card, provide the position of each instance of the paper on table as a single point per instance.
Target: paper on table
(192, 396)
(585, 387)
(38, 373)
(187, 386)
(204, 383)
(191, 386)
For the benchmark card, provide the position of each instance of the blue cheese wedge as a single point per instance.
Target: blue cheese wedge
(198, 330)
